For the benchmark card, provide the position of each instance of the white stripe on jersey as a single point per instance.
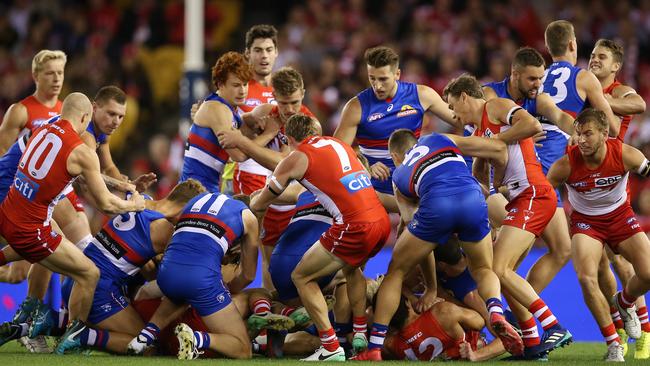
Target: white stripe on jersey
(313, 217)
(375, 153)
(552, 127)
(282, 208)
(434, 165)
(50, 208)
(325, 200)
(217, 204)
(122, 264)
(204, 158)
(250, 166)
(198, 205)
(223, 243)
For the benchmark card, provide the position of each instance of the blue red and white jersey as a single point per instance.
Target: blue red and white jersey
(204, 158)
(123, 245)
(501, 90)
(209, 225)
(100, 138)
(433, 167)
(379, 118)
(310, 218)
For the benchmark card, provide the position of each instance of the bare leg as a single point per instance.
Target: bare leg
(228, 334)
(556, 237)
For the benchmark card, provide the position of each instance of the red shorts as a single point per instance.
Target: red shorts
(532, 209)
(611, 228)
(76, 201)
(355, 243)
(34, 243)
(274, 223)
(247, 183)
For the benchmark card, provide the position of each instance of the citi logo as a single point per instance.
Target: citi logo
(356, 181)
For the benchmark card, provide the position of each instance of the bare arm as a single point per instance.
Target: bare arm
(291, 167)
(407, 206)
(161, 233)
(633, 159)
(249, 249)
(547, 108)
(106, 162)
(625, 101)
(594, 95)
(489, 93)
(12, 123)
(218, 117)
(262, 155)
(523, 124)
(559, 171)
(350, 119)
(431, 100)
(481, 147)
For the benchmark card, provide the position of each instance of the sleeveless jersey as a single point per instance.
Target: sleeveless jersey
(38, 114)
(601, 190)
(523, 169)
(42, 175)
(309, 222)
(433, 167)
(625, 120)
(207, 227)
(204, 158)
(123, 245)
(100, 137)
(379, 118)
(339, 181)
(258, 94)
(501, 90)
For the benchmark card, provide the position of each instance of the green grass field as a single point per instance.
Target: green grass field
(14, 354)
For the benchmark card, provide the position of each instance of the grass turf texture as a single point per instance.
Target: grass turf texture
(14, 354)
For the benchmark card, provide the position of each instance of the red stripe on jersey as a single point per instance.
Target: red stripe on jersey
(207, 146)
(230, 234)
(130, 255)
(383, 143)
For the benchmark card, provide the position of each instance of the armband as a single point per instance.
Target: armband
(511, 113)
(629, 92)
(644, 169)
(273, 180)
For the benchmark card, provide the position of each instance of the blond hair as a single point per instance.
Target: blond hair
(44, 56)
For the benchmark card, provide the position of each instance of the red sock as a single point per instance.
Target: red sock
(616, 317)
(529, 332)
(539, 309)
(625, 300)
(642, 312)
(261, 306)
(286, 311)
(359, 324)
(3, 259)
(328, 339)
(609, 333)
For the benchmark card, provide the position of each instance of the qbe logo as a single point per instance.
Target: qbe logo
(356, 181)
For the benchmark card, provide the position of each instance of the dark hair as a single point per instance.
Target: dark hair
(528, 56)
(300, 126)
(231, 63)
(108, 93)
(558, 34)
(401, 140)
(596, 116)
(381, 56)
(261, 31)
(465, 83)
(185, 191)
(286, 81)
(613, 47)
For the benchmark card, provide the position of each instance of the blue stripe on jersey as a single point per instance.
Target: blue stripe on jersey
(100, 137)
(501, 90)
(208, 226)
(309, 222)
(436, 167)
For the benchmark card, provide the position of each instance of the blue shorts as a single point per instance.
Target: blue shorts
(460, 285)
(383, 186)
(199, 286)
(8, 166)
(439, 217)
(553, 148)
(280, 268)
(109, 299)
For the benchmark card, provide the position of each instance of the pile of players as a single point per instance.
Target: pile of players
(170, 275)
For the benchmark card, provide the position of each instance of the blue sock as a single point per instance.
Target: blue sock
(377, 335)
(94, 337)
(342, 330)
(312, 330)
(150, 332)
(494, 305)
(201, 339)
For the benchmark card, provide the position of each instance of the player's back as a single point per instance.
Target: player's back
(339, 181)
(209, 224)
(42, 174)
(433, 167)
(123, 245)
(38, 114)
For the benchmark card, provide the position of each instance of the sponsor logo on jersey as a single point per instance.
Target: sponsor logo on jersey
(607, 181)
(406, 110)
(414, 338)
(27, 187)
(583, 226)
(356, 181)
(39, 122)
(390, 107)
(267, 94)
(487, 133)
(631, 220)
(375, 116)
(252, 102)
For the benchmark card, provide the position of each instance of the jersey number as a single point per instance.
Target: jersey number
(561, 75)
(424, 345)
(43, 142)
(415, 154)
(344, 159)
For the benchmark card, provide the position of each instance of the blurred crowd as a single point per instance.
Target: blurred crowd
(137, 45)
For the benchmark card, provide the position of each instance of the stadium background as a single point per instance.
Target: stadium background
(138, 46)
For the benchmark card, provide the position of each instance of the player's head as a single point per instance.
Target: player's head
(262, 48)
(461, 94)
(592, 130)
(48, 71)
(77, 109)
(230, 75)
(402, 314)
(109, 109)
(527, 71)
(288, 91)
(560, 39)
(401, 141)
(606, 58)
(181, 194)
(299, 127)
(383, 70)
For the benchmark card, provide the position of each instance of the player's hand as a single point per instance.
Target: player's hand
(426, 301)
(124, 186)
(195, 108)
(379, 171)
(540, 136)
(466, 351)
(230, 139)
(143, 182)
(573, 140)
(138, 201)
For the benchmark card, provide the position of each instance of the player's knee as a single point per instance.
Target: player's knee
(88, 276)
(643, 274)
(17, 277)
(562, 253)
(588, 281)
(243, 351)
(297, 277)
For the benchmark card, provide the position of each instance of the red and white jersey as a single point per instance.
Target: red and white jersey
(42, 175)
(601, 190)
(523, 168)
(425, 340)
(38, 114)
(625, 120)
(258, 94)
(339, 181)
